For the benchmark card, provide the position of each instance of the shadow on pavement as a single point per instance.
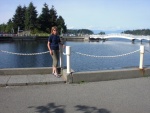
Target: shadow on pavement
(87, 109)
(52, 108)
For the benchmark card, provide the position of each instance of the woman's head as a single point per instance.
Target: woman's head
(54, 30)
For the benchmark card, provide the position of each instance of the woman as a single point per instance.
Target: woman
(53, 47)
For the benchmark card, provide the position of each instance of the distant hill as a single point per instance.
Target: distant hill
(79, 31)
(107, 32)
(87, 31)
(138, 32)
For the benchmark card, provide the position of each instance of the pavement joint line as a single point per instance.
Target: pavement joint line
(8, 80)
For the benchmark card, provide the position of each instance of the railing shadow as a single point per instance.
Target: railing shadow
(87, 109)
(50, 108)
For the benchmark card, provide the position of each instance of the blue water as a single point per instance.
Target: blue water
(78, 62)
(108, 48)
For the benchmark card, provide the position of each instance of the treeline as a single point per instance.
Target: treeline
(79, 31)
(138, 32)
(27, 19)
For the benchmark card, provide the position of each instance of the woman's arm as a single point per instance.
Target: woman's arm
(49, 48)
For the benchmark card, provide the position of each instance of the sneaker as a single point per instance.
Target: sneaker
(57, 75)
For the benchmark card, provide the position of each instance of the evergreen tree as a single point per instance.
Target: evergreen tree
(61, 25)
(53, 17)
(138, 32)
(25, 18)
(79, 31)
(31, 18)
(102, 33)
(84, 31)
(9, 27)
(18, 19)
(2, 28)
(48, 19)
(44, 19)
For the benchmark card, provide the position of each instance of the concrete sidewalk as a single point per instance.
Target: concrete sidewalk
(20, 80)
(28, 76)
(34, 76)
(116, 96)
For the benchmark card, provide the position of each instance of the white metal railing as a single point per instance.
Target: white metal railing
(141, 57)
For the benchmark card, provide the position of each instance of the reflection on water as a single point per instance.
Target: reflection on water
(78, 62)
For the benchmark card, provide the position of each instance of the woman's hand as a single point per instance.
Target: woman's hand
(51, 52)
(63, 46)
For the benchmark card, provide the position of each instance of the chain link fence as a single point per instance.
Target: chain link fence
(79, 53)
(24, 54)
(121, 55)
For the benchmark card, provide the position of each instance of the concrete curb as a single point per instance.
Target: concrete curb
(35, 76)
(25, 71)
(93, 76)
(28, 76)
(23, 80)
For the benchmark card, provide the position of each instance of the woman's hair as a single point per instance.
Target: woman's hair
(53, 28)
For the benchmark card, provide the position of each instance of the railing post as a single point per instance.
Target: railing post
(68, 49)
(141, 56)
(61, 56)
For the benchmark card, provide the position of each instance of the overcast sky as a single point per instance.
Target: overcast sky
(90, 14)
